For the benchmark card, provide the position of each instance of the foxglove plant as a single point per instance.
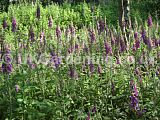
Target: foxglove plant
(118, 61)
(94, 109)
(17, 88)
(14, 24)
(19, 59)
(31, 35)
(6, 65)
(100, 26)
(100, 69)
(88, 116)
(150, 23)
(92, 36)
(91, 67)
(136, 35)
(72, 30)
(58, 32)
(122, 46)
(108, 48)
(50, 22)
(4, 25)
(41, 37)
(72, 73)
(38, 12)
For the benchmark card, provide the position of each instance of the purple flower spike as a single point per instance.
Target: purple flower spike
(135, 91)
(91, 67)
(92, 36)
(17, 88)
(19, 59)
(8, 68)
(108, 48)
(88, 116)
(7, 58)
(136, 35)
(118, 61)
(101, 26)
(41, 37)
(122, 46)
(14, 25)
(72, 73)
(137, 44)
(94, 110)
(50, 22)
(134, 104)
(29, 61)
(149, 21)
(4, 24)
(72, 30)
(31, 35)
(99, 69)
(156, 42)
(38, 13)
(58, 32)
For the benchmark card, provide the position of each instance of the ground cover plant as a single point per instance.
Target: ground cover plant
(55, 66)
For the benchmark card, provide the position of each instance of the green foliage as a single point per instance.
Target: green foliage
(48, 92)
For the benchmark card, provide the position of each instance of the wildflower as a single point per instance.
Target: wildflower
(137, 44)
(55, 60)
(158, 71)
(29, 61)
(91, 67)
(134, 103)
(100, 69)
(137, 71)
(85, 49)
(8, 68)
(41, 37)
(72, 30)
(88, 116)
(32, 65)
(149, 21)
(70, 50)
(17, 88)
(108, 48)
(76, 46)
(14, 25)
(130, 59)
(149, 43)
(67, 31)
(19, 59)
(136, 35)
(112, 39)
(122, 46)
(113, 88)
(92, 36)
(94, 110)
(156, 42)
(31, 35)
(140, 61)
(58, 32)
(50, 22)
(4, 24)
(118, 60)
(7, 58)
(101, 26)
(135, 91)
(131, 84)
(72, 73)
(38, 12)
